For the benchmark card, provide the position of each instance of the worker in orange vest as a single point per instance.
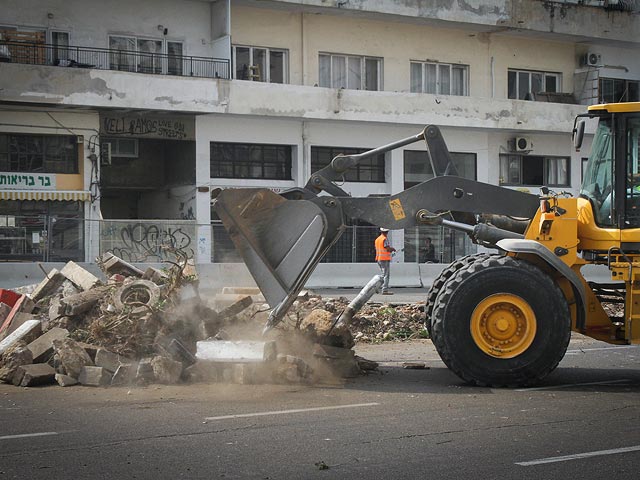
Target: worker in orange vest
(383, 256)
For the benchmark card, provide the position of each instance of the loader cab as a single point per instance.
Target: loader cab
(612, 177)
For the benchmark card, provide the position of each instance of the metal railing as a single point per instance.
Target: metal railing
(111, 59)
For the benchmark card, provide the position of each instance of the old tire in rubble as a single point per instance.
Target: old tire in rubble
(501, 322)
(136, 293)
(442, 278)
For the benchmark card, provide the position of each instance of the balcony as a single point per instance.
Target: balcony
(109, 59)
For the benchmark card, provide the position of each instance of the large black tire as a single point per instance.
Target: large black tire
(501, 295)
(442, 278)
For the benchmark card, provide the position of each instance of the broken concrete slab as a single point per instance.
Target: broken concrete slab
(319, 326)
(16, 356)
(109, 360)
(241, 291)
(113, 265)
(236, 307)
(32, 375)
(65, 380)
(27, 332)
(165, 370)
(84, 301)
(144, 372)
(224, 301)
(80, 277)
(203, 372)
(341, 361)
(179, 352)
(235, 351)
(124, 375)
(73, 358)
(414, 365)
(52, 282)
(56, 309)
(42, 347)
(94, 376)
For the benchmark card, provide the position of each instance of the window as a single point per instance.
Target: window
(60, 51)
(368, 170)
(39, 153)
(417, 166)
(250, 160)
(516, 169)
(145, 55)
(352, 72)
(615, 90)
(439, 78)
(122, 147)
(524, 85)
(261, 64)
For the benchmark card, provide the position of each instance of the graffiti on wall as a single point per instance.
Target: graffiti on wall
(148, 242)
(144, 126)
(27, 180)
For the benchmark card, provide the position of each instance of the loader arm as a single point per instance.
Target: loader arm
(283, 237)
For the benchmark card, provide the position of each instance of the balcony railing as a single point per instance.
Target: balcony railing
(110, 59)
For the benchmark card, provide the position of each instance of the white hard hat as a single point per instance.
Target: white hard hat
(382, 229)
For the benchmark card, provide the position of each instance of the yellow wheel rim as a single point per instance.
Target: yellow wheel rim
(503, 325)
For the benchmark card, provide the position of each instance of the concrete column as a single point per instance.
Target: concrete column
(395, 177)
(203, 200)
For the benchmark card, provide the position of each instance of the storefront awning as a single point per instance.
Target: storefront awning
(69, 195)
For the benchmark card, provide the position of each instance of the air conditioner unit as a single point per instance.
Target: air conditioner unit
(105, 153)
(591, 59)
(523, 144)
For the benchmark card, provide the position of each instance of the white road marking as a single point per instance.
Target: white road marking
(579, 456)
(297, 410)
(26, 435)
(569, 385)
(581, 350)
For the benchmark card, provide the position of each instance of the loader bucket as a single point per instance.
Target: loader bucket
(281, 241)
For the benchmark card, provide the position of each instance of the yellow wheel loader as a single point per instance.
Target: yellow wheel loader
(500, 319)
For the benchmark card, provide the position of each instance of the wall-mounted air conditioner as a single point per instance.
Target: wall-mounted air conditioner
(591, 59)
(523, 144)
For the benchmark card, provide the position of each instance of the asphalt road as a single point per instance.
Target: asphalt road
(583, 422)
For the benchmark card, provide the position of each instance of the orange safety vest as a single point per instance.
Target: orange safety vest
(381, 252)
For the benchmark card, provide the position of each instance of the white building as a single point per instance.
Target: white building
(137, 110)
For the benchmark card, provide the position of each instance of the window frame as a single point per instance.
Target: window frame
(116, 150)
(363, 71)
(233, 165)
(71, 161)
(438, 82)
(375, 165)
(517, 72)
(626, 83)
(268, 51)
(427, 163)
(545, 169)
(161, 69)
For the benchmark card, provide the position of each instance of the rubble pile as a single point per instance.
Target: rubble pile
(140, 327)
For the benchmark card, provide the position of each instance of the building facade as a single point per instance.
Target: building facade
(118, 119)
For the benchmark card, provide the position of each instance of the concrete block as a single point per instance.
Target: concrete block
(52, 282)
(42, 347)
(112, 265)
(94, 376)
(16, 356)
(241, 291)
(56, 309)
(236, 307)
(144, 372)
(166, 370)
(32, 375)
(65, 380)
(73, 358)
(108, 360)
(235, 351)
(80, 277)
(84, 301)
(224, 301)
(125, 375)
(27, 332)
